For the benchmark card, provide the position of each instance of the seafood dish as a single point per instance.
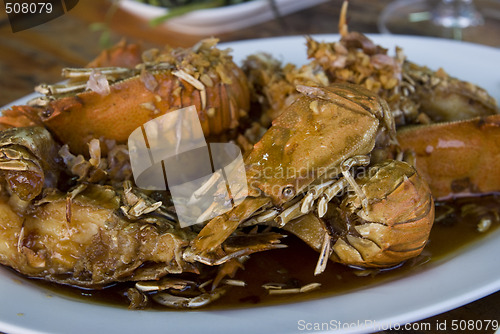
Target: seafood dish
(354, 155)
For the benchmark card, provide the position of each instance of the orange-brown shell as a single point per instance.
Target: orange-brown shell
(459, 158)
(77, 119)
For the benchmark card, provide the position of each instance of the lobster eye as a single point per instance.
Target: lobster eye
(288, 192)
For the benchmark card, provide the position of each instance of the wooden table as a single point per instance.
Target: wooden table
(37, 55)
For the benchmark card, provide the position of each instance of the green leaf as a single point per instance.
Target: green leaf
(177, 11)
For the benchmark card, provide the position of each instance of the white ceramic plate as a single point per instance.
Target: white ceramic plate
(460, 279)
(221, 19)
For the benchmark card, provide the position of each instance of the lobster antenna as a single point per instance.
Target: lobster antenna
(343, 19)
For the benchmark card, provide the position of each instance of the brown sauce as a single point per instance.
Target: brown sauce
(455, 229)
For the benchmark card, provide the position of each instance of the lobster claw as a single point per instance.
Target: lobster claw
(28, 160)
(399, 219)
(394, 228)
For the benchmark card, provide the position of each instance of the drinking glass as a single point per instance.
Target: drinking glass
(475, 21)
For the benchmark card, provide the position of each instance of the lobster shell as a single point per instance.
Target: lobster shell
(458, 158)
(164, 81)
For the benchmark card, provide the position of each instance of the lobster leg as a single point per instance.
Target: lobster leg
(330, 189)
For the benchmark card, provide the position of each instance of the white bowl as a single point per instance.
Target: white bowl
(221, 19)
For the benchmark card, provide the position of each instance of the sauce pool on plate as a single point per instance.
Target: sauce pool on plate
(458, 224)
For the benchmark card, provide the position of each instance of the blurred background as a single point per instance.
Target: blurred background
(38, 54)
